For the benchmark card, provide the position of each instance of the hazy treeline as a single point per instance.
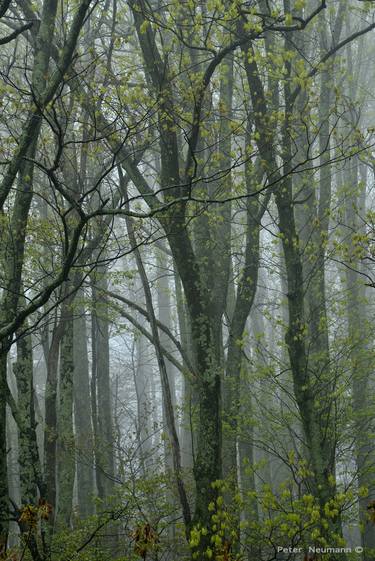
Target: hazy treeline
(187, 245)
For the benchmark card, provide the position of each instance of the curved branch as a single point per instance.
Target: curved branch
(160, 325)
(16, 32)
(330, 53)
(148, 336)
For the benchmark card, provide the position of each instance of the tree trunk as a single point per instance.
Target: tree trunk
(50, 429)
(104, 452)
(189, 399)
(4, 505)
(164, 316)
(65, 441)
(82, 414)
(29, 461)
(142, 379)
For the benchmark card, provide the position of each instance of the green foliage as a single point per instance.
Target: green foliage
(273, 518)
(135, 521)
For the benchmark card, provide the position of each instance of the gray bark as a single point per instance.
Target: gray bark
(164, 316)
(143, 379)
(30, 466)
(189, 399)
(4, 524)
(82, 413)
(65, 440)
(104, 436)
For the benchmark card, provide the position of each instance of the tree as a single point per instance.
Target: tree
(215, 132)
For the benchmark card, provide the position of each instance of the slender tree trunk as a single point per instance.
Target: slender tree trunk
(104, 451)
(142, 378)
(164, 316)
(50, 429)
(246, 458)
(4, 506)
(65, 442)
(13, 472)
(189, 399)
(82, 414)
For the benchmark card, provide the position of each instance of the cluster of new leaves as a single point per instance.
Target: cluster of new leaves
(30, 515)
(145, 540)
